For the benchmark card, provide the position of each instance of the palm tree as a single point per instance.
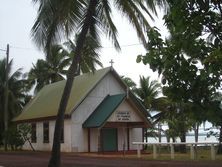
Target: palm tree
(50, 70)
(90, 58)
(57, 18)
(148, 91)
(16, 92)
(129, 82)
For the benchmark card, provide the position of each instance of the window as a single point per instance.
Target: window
(33, 133)
(62, 135)
(46, 132)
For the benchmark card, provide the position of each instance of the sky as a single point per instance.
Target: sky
(18, 16)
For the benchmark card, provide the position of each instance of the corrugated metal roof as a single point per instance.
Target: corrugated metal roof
(103, 111)
(46, 102)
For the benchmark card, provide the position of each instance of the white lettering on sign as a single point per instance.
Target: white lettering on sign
(122, 116)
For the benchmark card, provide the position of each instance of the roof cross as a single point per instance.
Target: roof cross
(111, 62)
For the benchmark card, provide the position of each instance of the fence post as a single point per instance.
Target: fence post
(154, 151)
(191, 152)
(172, 151)
(212, 150)
(138, 151)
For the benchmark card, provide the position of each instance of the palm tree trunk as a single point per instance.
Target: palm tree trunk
(55, 160)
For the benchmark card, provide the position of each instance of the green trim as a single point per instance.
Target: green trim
(104, 111)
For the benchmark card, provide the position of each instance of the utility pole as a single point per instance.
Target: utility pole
(6, 95)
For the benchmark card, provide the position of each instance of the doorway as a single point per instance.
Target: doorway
(109, 139)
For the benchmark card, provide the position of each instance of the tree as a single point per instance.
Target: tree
(214, 115)
(129, 82)
(190, 59)
(148, 91)
(16, 92)
(56, 18)
(50, 70)
(177, 117)
(90, 58)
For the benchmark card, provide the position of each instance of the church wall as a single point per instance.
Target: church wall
(40, 145)
(122, 138)
(125, 107)
(108, 85)
(135, 135)
(94, 136)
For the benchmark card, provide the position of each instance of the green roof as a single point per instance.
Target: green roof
(46, 102)
(103, 111)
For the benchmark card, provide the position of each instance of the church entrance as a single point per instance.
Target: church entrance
(109, 139)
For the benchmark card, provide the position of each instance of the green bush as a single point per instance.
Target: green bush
(13, 138)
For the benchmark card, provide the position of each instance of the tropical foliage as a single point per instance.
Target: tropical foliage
(189, 60)
(51, 70)
(16, 93)
(148, 91)
(90, 59)
(129, 82)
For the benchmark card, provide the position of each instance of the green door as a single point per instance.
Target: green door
(109, 139)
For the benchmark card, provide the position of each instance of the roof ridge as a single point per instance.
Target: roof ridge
(78, 76)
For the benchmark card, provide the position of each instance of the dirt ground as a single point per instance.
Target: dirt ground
(40, 159)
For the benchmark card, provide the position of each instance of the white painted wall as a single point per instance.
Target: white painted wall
(94, 139)
(135, 135)
(125, 106)
(122, 138)
(108, 85)
(40, 145)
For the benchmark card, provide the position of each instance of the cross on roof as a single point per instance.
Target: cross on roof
(111, 62)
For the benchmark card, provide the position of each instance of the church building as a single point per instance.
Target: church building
(102, 115)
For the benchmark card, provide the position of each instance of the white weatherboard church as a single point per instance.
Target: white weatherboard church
(101, 115)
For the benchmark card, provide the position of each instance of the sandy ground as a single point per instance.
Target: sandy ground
(40, 159)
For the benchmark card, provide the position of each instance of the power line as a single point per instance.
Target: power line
(3, 50)
(122, 46)
(103, 47)
(23, 48)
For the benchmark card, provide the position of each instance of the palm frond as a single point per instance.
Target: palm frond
(106, 22)
(130, 10)
(55, 18)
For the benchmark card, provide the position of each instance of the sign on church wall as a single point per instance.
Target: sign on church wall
(123, 116)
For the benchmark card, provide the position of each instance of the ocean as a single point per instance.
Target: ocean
(189, 138)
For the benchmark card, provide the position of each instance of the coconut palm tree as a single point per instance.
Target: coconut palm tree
(50, 70)
(90, 58)
(148, 91)
(57, 19)
(16, 92)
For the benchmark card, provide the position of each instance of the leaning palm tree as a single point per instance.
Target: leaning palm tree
(57, 18)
